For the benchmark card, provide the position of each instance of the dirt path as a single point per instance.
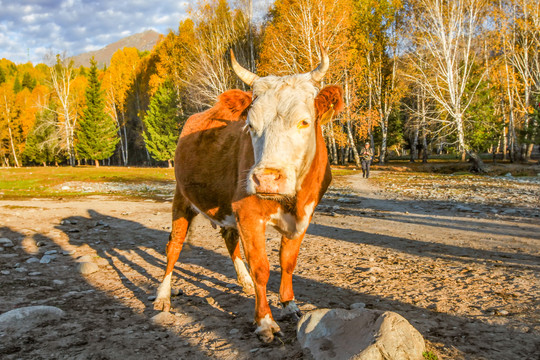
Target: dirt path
(466, 279)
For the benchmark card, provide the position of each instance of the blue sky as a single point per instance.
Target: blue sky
(31, 28)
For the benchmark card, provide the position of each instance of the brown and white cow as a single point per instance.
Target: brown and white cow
(250, 161)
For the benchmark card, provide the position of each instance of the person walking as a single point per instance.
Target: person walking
(367, 156)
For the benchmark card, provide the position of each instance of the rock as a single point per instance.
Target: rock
(50, 252)
(65, 187)
(5, 272)
(21, 269)
(85, 258)
(360, 334)
(47, 259)
(102, 261)
(5, 242)
(34, 273)
(32, 260)
(508, 175)
(357, 306)
(234, 331)
(73, 230)
(58, 282)
(26, 318)
(68, 252)
(151, 297)
(87, 268)
(176, 292)
(463, 208)
(163, 318)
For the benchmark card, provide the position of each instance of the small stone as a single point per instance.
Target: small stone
(50, 252)
(73, 230)
(87, 268)
(254, 350)
(65, 222)
(21, 269)
(5, 272)
(503, 312)
(358, 305)
(508, 175)
(47, 259)
(65, 187)
(5, 242)
(34, 273)
(40, 244)
(58, 282)
(151, 297)
(176, 292)
(163, 318)
(68, 252)
(32, 260)
(85, 258)
(234, 331)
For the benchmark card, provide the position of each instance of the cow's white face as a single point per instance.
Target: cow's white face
(281, 122)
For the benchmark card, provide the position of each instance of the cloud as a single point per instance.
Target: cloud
(31, 28)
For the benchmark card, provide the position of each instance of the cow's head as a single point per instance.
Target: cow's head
(282, 121)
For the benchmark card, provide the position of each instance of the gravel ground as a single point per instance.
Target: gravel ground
(462, 267)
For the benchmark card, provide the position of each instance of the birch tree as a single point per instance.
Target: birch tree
(445, 32)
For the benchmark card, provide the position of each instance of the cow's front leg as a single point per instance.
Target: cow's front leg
(182, 217)
(251, 231)
(288, 255)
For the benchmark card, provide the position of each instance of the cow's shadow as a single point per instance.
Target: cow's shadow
(210, 271)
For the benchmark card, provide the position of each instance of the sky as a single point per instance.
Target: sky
(30, 29)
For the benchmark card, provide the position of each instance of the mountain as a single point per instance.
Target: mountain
(142, 41)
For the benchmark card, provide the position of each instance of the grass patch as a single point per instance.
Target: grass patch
(47, 181)
(428, 355)
(344, 172)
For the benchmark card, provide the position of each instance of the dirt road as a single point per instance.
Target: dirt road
(466, 278)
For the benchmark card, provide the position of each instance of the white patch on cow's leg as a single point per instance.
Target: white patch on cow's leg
(163, 296)
(244, 279)
(266, 328)
(290, 311)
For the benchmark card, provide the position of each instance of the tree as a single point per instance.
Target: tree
(162, 124)
(444, 32)
(8, 118)
(97, 134)
(43, 142)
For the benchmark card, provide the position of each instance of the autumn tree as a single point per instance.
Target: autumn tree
(97, 133)
(443, 55)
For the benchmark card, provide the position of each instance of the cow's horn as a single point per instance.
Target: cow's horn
(320, 71)
(245, 75)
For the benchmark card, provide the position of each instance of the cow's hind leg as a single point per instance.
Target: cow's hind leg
(231, 237)
(288, 254)
(182, 217)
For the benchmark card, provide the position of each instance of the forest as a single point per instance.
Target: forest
(421, 78)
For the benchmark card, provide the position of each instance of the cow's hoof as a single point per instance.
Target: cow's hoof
(162, 304)
(290, 312)
(266, 329)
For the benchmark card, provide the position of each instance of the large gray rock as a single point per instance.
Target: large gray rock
(360, 334)
(29, 317)
(5, 242)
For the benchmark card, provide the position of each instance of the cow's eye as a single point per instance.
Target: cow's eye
(303, 124)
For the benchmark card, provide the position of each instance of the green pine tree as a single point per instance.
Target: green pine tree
(97, 135)
(162, 124)
(28, 82)
(17, 87)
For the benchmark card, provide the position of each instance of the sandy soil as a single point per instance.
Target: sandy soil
(465, 277)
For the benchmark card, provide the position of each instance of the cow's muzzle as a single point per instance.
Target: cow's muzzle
(269, 181)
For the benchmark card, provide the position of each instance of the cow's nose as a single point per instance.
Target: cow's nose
(269, 181)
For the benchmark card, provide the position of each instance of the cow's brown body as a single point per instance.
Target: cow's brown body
(213, 157)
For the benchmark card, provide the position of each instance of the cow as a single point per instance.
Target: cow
(252, 160)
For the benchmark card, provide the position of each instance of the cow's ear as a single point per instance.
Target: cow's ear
(328, 103)
(236, 101)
